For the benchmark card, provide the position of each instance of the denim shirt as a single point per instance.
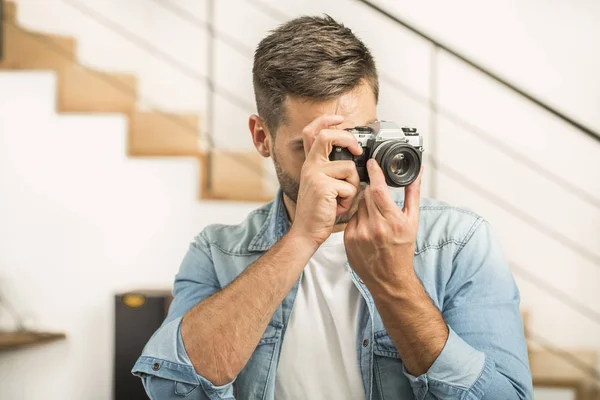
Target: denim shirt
(458, 261)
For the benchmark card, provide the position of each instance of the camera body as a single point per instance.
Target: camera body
(398, 151)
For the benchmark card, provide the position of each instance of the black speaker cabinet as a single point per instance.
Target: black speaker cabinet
(138, 315)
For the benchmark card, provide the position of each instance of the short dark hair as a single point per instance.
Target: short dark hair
(310, 57)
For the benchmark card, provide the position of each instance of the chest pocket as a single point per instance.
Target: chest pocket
(272, 333)
(384, 346)
(390, 381)
(251, 383)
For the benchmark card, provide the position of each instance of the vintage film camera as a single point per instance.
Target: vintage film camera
(397, 150)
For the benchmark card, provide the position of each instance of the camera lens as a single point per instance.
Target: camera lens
(399, 165)
(400, 162)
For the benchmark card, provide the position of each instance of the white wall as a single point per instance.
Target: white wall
(548, 47)
(80, 222)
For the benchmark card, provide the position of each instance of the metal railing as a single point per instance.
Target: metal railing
(441, 46)
(1, 30)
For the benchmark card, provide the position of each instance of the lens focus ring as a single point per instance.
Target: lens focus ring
(400, 162)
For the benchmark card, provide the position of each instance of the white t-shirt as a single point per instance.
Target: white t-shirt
(318, 356)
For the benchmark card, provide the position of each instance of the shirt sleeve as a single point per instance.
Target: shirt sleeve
(164, 366)
(485, 356)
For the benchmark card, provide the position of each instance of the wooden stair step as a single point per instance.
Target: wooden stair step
(163, 134)
(10, 11)
(235, 175)
(551, 370)
(28, 50)
(86, 90)
(18, 339)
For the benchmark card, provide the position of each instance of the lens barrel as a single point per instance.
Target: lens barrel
(400, 162)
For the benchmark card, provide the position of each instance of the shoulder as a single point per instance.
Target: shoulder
(442, 224)
(234, 239)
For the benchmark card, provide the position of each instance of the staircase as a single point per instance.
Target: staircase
(225, 175)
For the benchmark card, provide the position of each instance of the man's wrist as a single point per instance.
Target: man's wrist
(402, 287)
(302, 243)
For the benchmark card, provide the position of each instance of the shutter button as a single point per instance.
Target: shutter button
(155, 366)
(365, 342)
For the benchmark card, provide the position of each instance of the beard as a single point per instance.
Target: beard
(291, 187)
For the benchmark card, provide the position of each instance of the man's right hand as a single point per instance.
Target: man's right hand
(327, 189)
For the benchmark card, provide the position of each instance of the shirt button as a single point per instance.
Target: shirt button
(365, 342)
(155, 366)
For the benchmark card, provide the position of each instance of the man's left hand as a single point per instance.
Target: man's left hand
(380, 238)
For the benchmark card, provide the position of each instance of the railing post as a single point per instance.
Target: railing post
(210, 80)
(431, 145)
(1, 29)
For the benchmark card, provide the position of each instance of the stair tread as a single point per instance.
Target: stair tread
(24, 49)
(164, 134)
(234, 180)
(84, 89)
(550, 368)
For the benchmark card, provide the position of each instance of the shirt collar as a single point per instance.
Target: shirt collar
(275, 226)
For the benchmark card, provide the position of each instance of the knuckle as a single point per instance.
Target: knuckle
(398, 226)
(349, 165)
(326, 135)
(378, 190)
(380, 231)
(353, 189)
(363, 235)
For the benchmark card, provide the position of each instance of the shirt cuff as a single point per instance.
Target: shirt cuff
(459, 368)
(165, 357)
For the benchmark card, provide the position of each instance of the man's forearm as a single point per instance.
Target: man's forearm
(415, 325)
(221, 333)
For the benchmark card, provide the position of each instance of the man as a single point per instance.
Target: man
(334, 290)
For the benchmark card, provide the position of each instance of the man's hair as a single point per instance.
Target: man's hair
(316, 58)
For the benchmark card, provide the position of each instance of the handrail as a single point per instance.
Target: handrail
(579, 126)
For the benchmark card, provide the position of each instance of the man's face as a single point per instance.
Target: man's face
(358, 107)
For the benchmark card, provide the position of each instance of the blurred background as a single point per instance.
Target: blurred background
(123, 132)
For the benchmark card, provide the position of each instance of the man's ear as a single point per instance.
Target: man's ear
(260, 135)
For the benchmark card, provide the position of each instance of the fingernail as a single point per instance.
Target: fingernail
(370, 163)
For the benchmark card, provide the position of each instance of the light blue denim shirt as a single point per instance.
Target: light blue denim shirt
(461, 266)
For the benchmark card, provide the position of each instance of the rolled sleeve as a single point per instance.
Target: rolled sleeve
(164, 366)
(158, 374)
(485, 355)
(458, 370)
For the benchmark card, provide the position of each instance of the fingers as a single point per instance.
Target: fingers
(370, 203)
(346, 193)
(363, 212)
(344, 170)
(380, 193)
(323, 143)
(412, 197)
(312, 130)
(351, 227)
